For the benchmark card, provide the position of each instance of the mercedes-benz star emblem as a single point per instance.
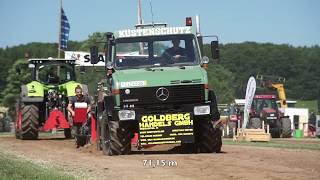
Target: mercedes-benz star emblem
(162, 94)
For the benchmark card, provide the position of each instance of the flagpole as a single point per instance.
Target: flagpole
(59, 35)
(139, 13)
(140, 23)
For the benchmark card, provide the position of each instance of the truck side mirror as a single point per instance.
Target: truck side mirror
(94, 55)
(215, 49)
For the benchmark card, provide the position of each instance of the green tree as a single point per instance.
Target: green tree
(14, 81)
(221, 81)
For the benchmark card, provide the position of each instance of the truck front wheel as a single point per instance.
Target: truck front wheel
(208, 138)
(115, 137)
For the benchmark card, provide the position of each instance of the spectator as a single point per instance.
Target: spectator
(78, 98)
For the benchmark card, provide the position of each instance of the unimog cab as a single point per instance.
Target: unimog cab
(150, 92)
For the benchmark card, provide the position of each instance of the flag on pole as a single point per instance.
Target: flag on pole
(64, 32)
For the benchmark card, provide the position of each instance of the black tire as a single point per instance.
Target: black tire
(276, 132)
(80, 137)
(67, 133)
(232, 125)
(208, 138)
(115, 136)
(30, 122)
(217, 136)
(286, 131)
(255, 123)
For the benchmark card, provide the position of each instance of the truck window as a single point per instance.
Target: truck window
(156, 51)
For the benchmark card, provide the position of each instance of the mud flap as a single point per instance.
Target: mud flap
(93, 128)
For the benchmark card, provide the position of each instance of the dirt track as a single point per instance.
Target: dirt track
(237, 162)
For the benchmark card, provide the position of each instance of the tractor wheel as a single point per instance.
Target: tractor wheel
(208, 138)
(255, 123)
(232, 125)
(80, 137)
(276, 132)
(286, 128)
(67, 133)
(116, 138)
(30, 123)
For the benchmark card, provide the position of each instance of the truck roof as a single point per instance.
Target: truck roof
(154, 31)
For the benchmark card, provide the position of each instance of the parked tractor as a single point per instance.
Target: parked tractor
(265, 108)
(4, 120)
(163, 99)
(42, 104)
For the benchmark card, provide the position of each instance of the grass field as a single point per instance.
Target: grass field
(12, 168)
(314, 144)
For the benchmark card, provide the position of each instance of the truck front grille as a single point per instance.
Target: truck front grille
(182, 94)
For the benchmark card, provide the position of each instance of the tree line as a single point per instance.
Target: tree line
(300, 66)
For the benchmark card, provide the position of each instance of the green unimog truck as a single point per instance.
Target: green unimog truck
(163, 98)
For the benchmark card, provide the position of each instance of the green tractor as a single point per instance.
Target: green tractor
(43, 102)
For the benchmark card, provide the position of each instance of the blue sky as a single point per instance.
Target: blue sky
(294, 22)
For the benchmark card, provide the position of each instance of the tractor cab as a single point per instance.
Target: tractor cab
(52, 72)
(264, 103)
(264, 108)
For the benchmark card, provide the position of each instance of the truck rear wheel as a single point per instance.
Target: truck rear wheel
(286, 128)
(116, 139)
(30, 123)
(255, 123)
(208, 138)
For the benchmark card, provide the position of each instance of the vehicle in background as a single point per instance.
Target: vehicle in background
(42, 104)
(264, 108)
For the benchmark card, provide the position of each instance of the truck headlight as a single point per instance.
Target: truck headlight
(201, 110)
(126, 115)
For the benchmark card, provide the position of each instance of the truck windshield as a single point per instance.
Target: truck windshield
(177, 50)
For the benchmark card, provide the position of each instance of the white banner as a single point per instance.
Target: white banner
(83, 58)
(251, 89)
